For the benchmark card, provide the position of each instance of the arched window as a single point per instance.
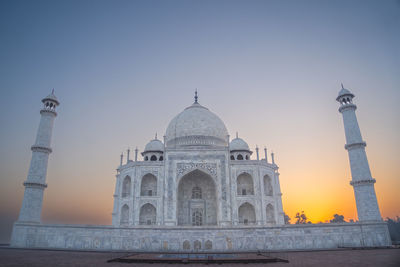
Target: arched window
(247, 215)
(270, 214)
(126, 187)
(197, 245)
(197, 217)
(208, 244)
(147, 215)
(232, 157)
(124, 214)
(268, 191)
(196, 193)
(148, 186)
(161, 158)
(240, 157)
(146, 158)
(153, 158)
(247, 157)
(186, 245)
(245, 184)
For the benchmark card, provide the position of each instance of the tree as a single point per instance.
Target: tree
(337, 219)
(287, 218)
(394, 229)
(301, 218)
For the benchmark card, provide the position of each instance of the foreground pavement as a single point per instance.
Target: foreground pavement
(327, 258)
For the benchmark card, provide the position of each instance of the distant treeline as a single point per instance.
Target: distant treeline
(394, 229)
(393, 224)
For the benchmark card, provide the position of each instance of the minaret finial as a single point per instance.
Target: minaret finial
(195, 96)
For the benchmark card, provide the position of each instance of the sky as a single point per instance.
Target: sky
(271, 70)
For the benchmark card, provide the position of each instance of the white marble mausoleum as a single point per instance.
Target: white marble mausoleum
(197, 177)
(198, 190)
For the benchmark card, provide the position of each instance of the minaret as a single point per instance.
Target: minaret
(258, 157)
(362, 181)
(36, 181)
(266, 154)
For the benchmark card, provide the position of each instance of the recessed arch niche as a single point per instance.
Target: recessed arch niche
(197, 199)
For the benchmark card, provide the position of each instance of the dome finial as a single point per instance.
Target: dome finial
(52, 91)
(342, 85)
(237, 135)
(156, 136)
(195, 96)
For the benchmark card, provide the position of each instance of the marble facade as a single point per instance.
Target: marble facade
(197, 190)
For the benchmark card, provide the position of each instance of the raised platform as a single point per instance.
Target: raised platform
(205, 258)
(200, 239)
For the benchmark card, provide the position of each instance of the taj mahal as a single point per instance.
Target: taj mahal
(197, 189)
(196, 177)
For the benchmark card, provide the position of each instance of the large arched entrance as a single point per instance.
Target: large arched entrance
(197, 200)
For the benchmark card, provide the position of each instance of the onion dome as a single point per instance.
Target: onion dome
(238, 144)
(344, 92)
(51, 97)
(196, 125)
(154, 145)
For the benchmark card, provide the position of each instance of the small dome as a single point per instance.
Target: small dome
(238, 144)
(51, 97)
(344, 92)
(154, 145)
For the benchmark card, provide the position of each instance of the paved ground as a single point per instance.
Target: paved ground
(342, 258)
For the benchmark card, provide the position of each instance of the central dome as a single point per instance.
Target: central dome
(196, 126)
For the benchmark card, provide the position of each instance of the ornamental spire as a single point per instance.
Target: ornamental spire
(195, 97)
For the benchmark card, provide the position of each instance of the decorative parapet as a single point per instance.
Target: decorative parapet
(41, 149)
(355, 145)
(35, 185)
(253, 162)
(347, 106)
(51, 111)
(363, 182)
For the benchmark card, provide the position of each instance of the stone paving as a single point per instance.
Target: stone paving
(343, 258)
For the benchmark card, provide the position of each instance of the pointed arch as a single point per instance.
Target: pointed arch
(197, 199)
(147, 215)
(124, 215)
(148, 186)
(126, 186)
(247, 214)
(186, 245)
(208, 245)
(245, 184)
(270, 214)
(268, 189)
(197, 245)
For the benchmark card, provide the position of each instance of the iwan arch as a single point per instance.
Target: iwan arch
(197, 190)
